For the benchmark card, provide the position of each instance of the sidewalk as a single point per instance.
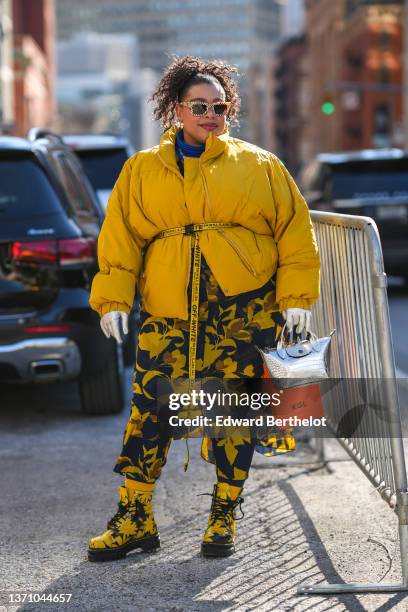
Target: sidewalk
(301, 525)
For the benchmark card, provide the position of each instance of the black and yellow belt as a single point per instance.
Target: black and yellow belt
(192, 230)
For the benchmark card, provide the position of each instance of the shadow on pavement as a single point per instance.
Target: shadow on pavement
(278, 548)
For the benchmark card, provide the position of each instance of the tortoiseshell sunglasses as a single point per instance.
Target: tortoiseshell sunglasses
(198, 108)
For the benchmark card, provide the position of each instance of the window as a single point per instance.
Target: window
(384, 74)
(103, 166)
(25, 191)
(382, 125)
(76, 193)
(384, 39)
(359, 179)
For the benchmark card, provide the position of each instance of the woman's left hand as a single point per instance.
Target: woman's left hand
(299, 317)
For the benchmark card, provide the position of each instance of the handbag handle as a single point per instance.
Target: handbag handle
(280, 347)
(305, 336)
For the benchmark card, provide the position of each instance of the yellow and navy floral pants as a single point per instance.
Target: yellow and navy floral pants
(229, 327)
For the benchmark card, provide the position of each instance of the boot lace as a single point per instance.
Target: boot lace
(114, 521)
(222, 509)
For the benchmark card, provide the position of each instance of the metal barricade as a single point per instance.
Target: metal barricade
(354, 302)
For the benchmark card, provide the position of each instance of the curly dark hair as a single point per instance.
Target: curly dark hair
(181, 74)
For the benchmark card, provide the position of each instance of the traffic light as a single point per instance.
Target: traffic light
(327, 106)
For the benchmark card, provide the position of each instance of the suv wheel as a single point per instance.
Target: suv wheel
(102, 393)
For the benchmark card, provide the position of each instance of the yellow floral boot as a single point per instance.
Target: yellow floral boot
(219, 536)
(133, 526)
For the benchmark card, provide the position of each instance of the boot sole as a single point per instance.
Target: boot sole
(147, 544)
(217, 550)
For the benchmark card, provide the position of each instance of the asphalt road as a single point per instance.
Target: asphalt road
(301, 525)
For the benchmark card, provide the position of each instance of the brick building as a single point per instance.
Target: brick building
(354, 66)
(371, 77)
(6, 67)
(34, 64)
(289, 110)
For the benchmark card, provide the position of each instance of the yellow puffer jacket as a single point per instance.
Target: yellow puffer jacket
(233, 181)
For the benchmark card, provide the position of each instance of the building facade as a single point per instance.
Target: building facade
(353, 80)
(241, 32)
(7, 117)
(324, 22)
(101, 87)
(293, 18)
(34, 64)
(371, 79)
(289, 109)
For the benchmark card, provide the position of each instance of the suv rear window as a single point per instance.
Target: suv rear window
(371, 178)
(25, 191)
(103, 165)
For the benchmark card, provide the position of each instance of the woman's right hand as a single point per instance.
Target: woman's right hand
(299, 317)
(113, 322)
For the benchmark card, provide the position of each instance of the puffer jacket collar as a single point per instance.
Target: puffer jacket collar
(214, 146)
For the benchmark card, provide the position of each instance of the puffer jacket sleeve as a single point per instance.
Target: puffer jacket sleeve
(298, 272)
(119, 251)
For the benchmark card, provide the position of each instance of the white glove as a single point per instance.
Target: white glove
(299, 317)
(111, 324)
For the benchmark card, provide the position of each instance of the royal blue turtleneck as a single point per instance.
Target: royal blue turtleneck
(183, 149)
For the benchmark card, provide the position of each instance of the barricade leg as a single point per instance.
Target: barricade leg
(320, 454)
(402, 509)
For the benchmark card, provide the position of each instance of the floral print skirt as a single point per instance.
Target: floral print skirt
(229, 329)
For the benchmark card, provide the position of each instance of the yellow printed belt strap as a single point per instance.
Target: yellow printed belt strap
(192, 230)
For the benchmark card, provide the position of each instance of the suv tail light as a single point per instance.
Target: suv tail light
(77, 250)
(44, 329)
(35, 252)
(62, 252)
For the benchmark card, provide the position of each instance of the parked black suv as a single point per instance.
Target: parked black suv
(372, 183)
(50, 218)
(102, 156)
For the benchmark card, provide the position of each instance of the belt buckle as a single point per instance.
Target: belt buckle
(188, 229)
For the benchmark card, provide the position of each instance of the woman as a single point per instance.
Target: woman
(218, 239)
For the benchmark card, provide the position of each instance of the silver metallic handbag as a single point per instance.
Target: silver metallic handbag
(297, 364)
